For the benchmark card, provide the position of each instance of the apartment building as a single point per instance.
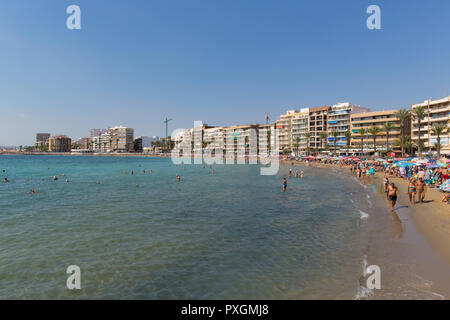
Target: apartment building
(339, 121)
(437, 111)
(318, 118)
(378, 119)
(115, 139)
(59, 143)
(284, 132)
(291, 129)
(241, 140)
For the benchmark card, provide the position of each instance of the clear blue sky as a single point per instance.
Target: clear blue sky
(223, 62)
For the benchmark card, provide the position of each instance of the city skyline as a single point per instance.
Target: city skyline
(136, 65)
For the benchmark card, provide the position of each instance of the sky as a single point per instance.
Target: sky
(223, 62)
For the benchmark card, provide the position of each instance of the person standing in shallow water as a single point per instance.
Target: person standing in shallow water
(392, 195)
(284, 184)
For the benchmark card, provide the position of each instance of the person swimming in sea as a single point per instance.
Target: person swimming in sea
(392, 195)
(284, 184)
(5, 180)
(302, 174)
(55, 178)
(296, 173)
(178, 178)
(32, 191)
(290, 172)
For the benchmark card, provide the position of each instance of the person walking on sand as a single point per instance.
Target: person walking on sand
(284, 182)
(412, 191)
(421, 188)
(392, 195)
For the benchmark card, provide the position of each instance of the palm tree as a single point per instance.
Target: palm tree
(348, 137)
(387, 128)
(438, 129)
(335, 134)
(374, 131)
(419, 114)
(296, 144)
(403, 141)
(404, 116)
(322, 135)
(362, 133)
(307, 136)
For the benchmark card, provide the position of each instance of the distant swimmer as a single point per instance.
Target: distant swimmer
(302, 174)
(284, 182)
(97, 182)
(132, 172)
(290, 172)
(296, 173)
(178, 178)
(5, 180)
(55, 178)
(212, 171)
(32, 191)
(151, 171)
(143, 171)
(67, 180)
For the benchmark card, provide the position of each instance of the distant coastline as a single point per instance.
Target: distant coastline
(83, 154)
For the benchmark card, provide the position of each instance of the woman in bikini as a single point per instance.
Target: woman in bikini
(421, 188)
(412, 191)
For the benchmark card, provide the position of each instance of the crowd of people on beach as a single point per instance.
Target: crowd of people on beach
(420, 177)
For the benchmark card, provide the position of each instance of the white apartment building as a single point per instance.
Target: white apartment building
(115, 139)
(437, 111)
(339, 120)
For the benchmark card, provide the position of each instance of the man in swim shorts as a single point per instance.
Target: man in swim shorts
(284, 184)
(392, 195)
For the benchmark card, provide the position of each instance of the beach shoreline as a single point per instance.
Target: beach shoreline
(431, 217)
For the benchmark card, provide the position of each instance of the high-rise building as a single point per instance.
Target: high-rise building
(378, 119)
(42, 137)
(437, 112)
(339, 121)
(115, 139)
(317, 123)
(59, 143)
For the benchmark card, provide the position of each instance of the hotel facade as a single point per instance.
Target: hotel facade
(437, 112)
(339, 117)
(378, 119)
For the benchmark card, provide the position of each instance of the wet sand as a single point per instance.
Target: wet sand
(431, 217)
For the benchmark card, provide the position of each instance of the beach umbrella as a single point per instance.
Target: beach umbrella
(445, 186)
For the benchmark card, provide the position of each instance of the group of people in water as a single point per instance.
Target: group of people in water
(284, 180)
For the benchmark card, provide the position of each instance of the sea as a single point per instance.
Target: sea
(228, 234)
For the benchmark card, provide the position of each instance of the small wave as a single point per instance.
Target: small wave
(363, 215)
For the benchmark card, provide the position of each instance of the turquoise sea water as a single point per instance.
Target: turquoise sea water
(228, 235)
